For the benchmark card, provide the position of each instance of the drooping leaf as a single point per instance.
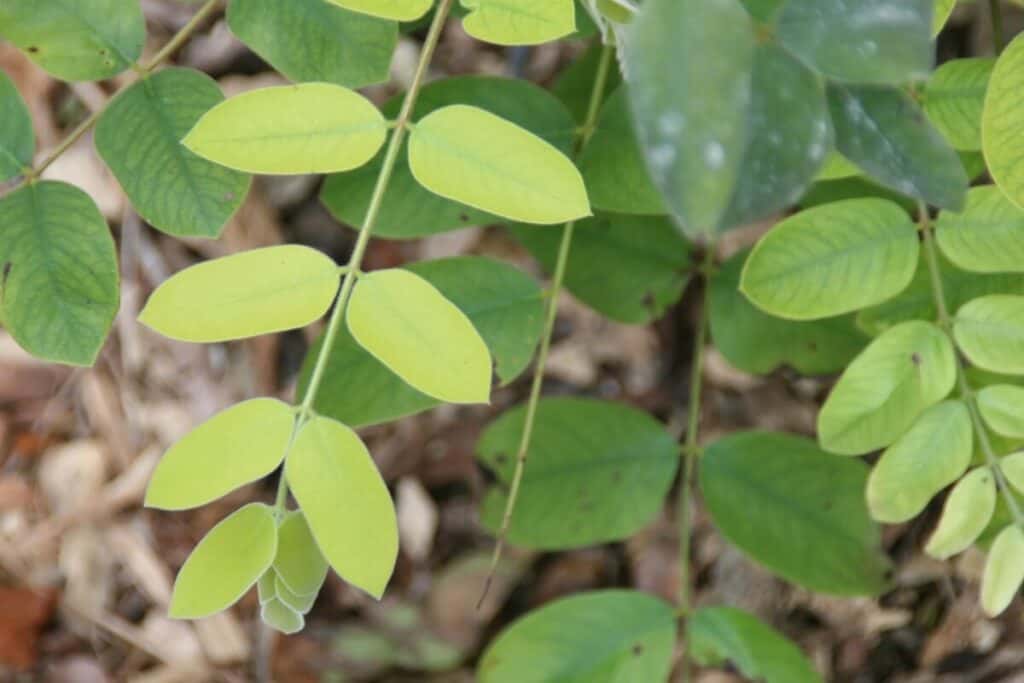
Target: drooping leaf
(312, 40)
(291, 129)
(628, 268)
(613, 165)
(902, 373)
(965, 514)
(990, 332)
(139, 137)
(17, 139)
(954, 97)
(58, 272)
(519, 22)
(299, 603)
(244, 295)
(706, 51)
(1002, 120)
(84, 40)
(398, 10)
(299, 564)
(884, 132)
(235, 447)
(795, 509)
(346, 503)
(281, 617)
(832, 259)
(933, 454)
(860, 41)
(598, 472)
(409, 209)
(758, 343)
(421, 336)
(1004, 571)
(917, 301)
(987, 236)
(761, 653)
(472, 156)
(226, 563)
(266, 587)
(1002, 407)
(601, 637)
(505, 306)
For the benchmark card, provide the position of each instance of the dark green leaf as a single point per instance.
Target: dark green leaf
(574, 85)
(17, 139)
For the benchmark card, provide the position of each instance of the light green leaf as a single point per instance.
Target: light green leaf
(1002, 406)
(474, 157)
(796, 510)
(598, 472)
(235, 447)
(300, 603)
(291, 129)
(312, 40)
(837, 166)
(398, 10)
(987, 236)
(966, 513)
(412, 211)
(706, 51)
(761, 653)
(139, 137)
(58, 272)
(613, 165)
(1004, 571)
(346, 503)
(519, 22)
(1002, 121)
(954, 98)
(410, 327)
(226, 563)
(281, 617)
(884, 132)
(266, 587)
(505, 305)
(860, 41)
(943, 9)
(758, 343)
(933, 454)
(244, 295)
(1013, 468)
(601, 637)
(832, 259)
(990, 332)
(628, 268)
(83, 40)
(903, 372)
(299, 563)
(17, 139)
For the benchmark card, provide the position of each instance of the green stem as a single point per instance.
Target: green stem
(557, 281)
(967, 395)
(352, 269)
(996, 14)
(176, 41)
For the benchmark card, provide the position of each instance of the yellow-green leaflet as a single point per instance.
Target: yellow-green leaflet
(281, 617)
(237, 446)
(929, 457)
(226, 563)
(990, 332)
(1004, 571)
(967, 512)
(346, 503)
(943, 8)
(410, 327)
(1002, 406)
(1013, 469)
(474, 157)
(300, 603)
(244, 295)
(299, 562)
(291, 129)
(399, 10)
(519, 22)
(987, 236)
(265, 587)
(1003, 120)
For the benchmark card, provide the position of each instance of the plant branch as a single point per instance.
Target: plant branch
(175, 42)
(557, 281)
(995, 12)
(966, 393)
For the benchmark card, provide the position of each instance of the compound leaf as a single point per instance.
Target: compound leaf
(990, 332)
